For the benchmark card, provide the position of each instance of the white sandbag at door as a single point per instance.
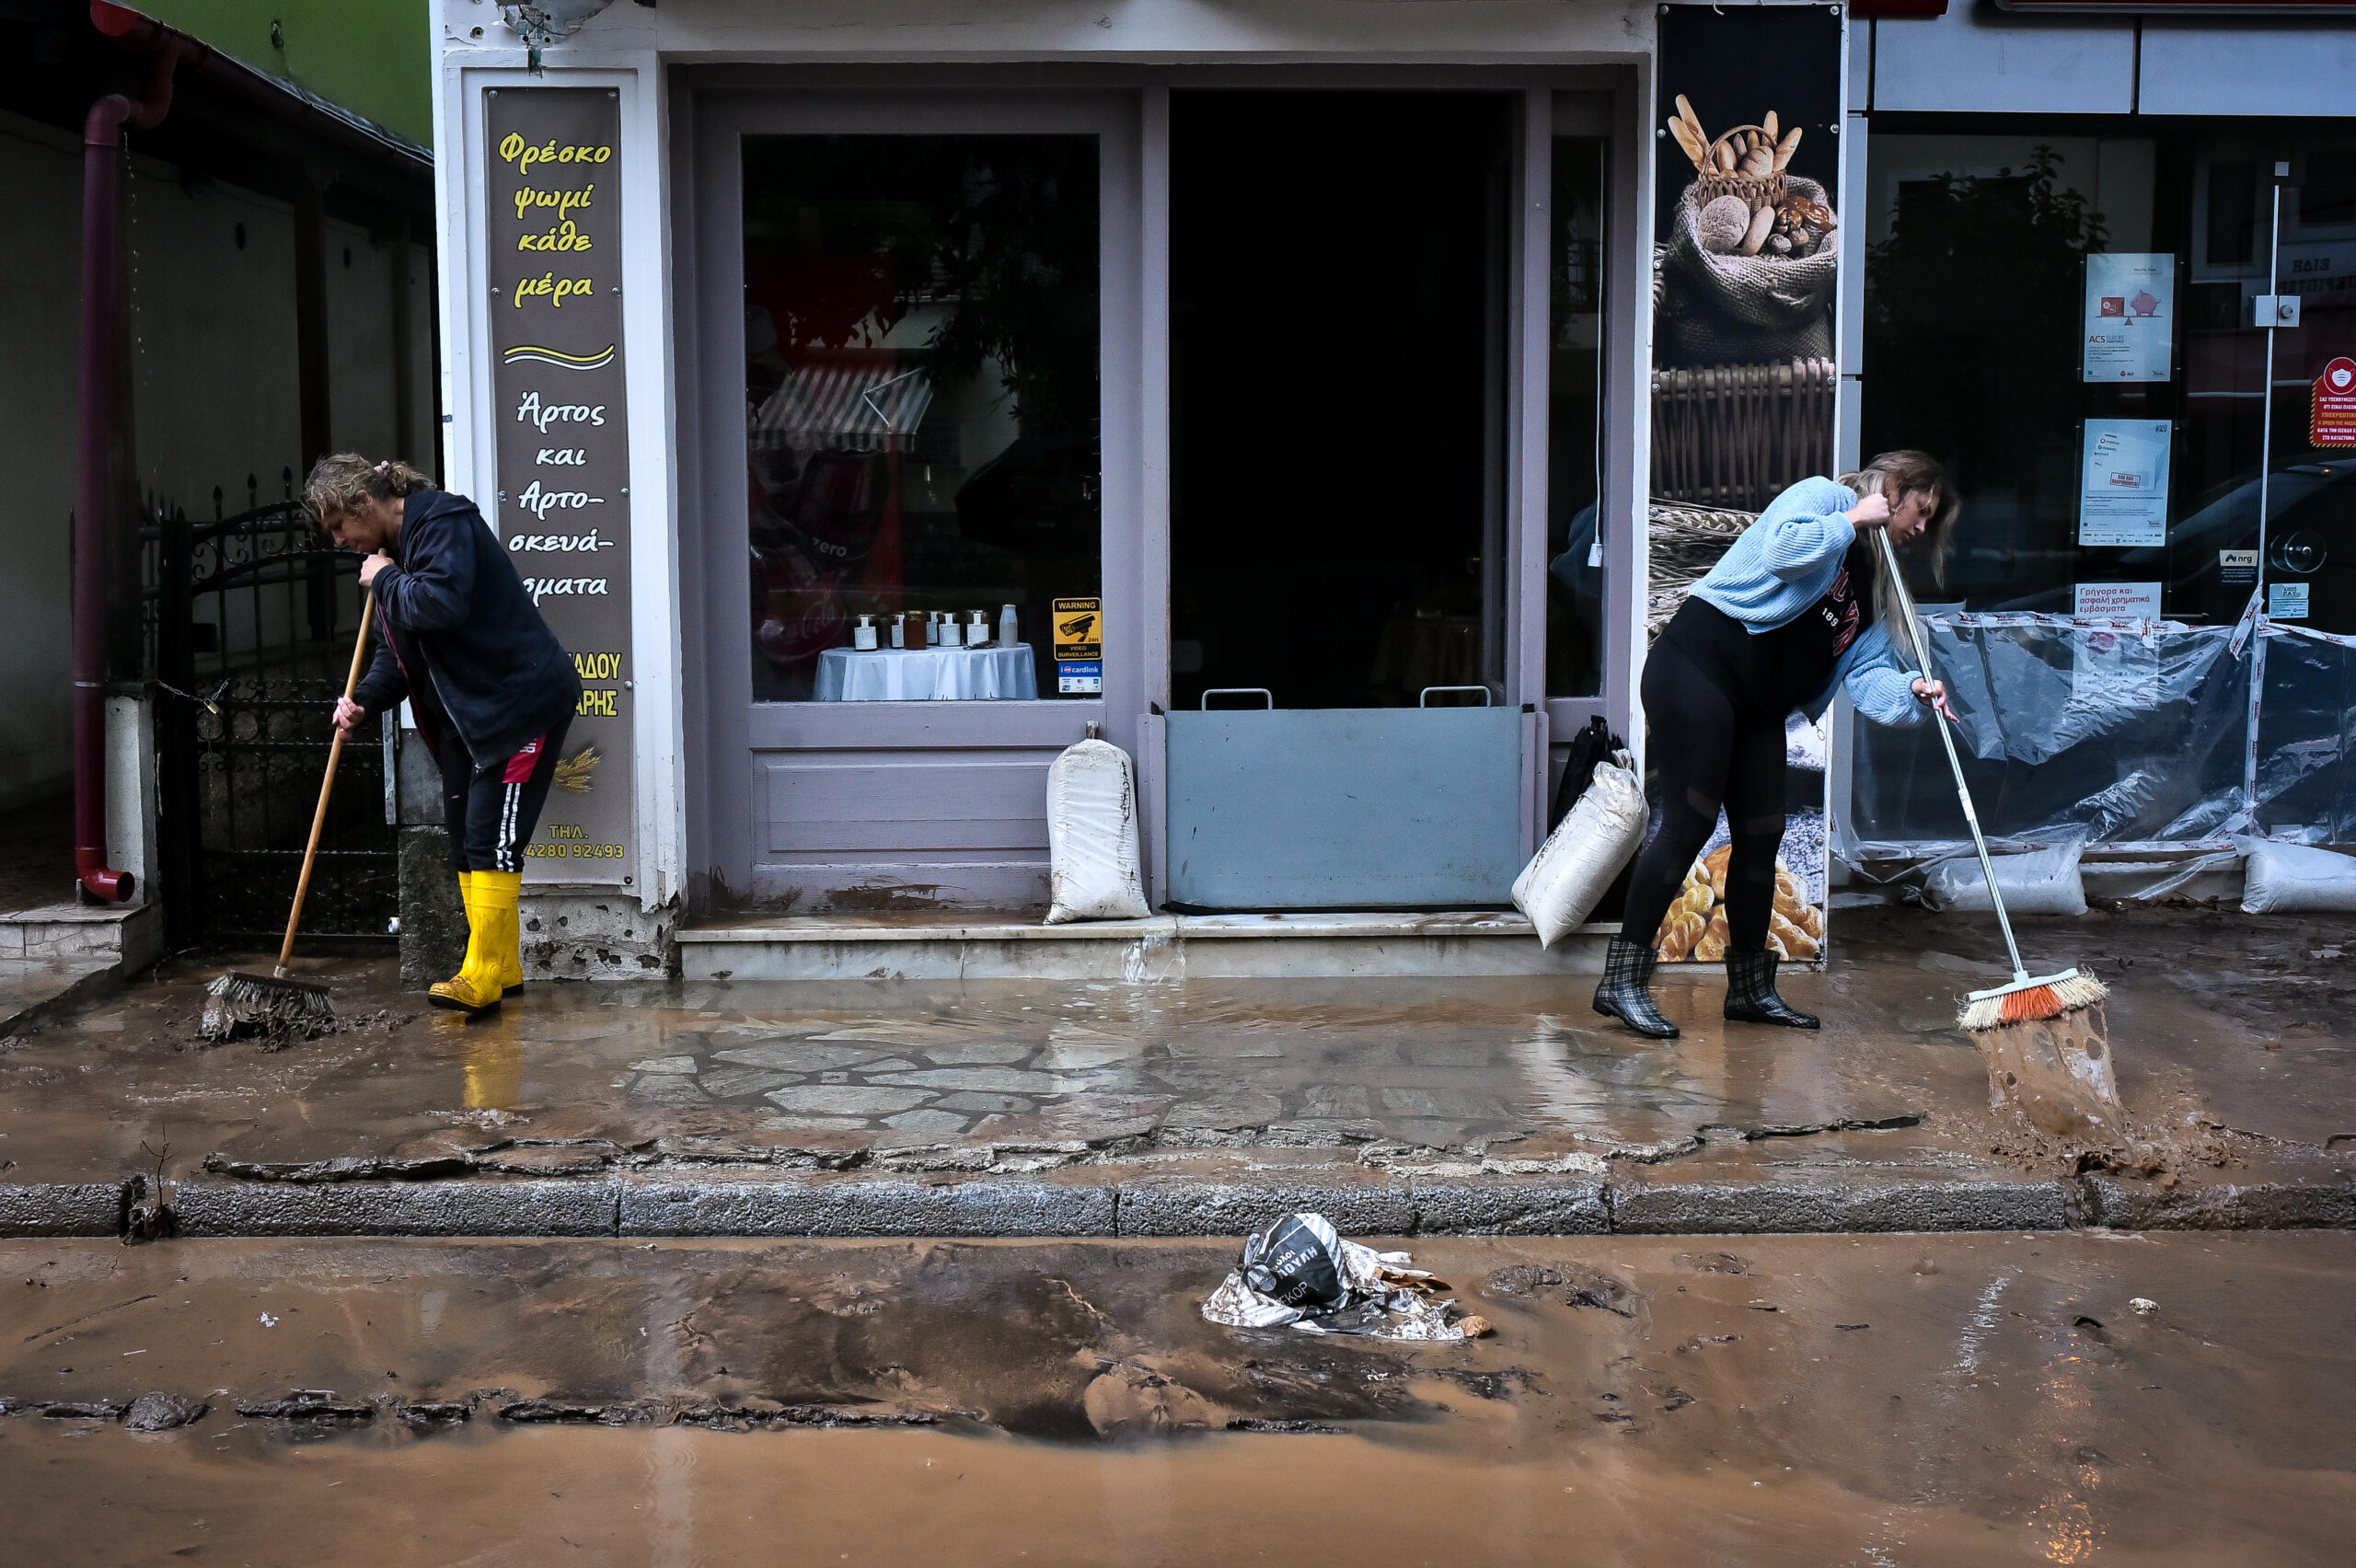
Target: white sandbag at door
(1093, 836)
(1574, 868)
(2297, 879)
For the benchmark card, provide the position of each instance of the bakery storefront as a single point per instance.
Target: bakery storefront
(1317, 400)
(1247, 389)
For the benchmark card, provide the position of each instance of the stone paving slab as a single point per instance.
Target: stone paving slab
(1044, 1108)
(33, 991)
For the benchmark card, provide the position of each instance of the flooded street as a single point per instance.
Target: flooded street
(1837, 1400)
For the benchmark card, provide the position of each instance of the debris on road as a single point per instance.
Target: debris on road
(1301, 1273)
(160, 1411)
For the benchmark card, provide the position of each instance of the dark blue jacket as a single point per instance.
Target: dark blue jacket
(460, 636)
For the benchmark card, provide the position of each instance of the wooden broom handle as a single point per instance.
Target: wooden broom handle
(327, 785)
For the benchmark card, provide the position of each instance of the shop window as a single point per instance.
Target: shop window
(922, 323)
(2233, 212)
(1977, 361)
(1575, 422)
(1984, 344)
(1337, 276)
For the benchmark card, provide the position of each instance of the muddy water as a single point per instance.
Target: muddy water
(1805, 1401)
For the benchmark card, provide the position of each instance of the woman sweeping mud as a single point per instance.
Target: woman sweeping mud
(1799, 607)
(491, 687)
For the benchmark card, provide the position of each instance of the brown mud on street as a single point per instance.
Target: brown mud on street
(2231, 1037)
(1828, 1400)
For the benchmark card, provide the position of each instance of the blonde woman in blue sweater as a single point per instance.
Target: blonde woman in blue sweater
(1797, 608)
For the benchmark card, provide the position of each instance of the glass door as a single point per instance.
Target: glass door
(1345, 727)
(910, 478)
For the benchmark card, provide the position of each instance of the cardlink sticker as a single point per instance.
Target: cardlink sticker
(2286, 601)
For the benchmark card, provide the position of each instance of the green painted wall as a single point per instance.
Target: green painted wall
(373, 57)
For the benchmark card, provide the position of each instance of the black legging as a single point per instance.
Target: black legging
(1706, 755)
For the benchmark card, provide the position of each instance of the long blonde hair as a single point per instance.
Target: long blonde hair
(343, 482)
(1897, 474)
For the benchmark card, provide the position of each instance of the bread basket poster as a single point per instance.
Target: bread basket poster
(1745, 383)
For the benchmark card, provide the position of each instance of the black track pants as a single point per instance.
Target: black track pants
(1704, 755)
(492, 807)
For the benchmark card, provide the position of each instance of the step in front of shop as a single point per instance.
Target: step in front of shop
(1165, 947)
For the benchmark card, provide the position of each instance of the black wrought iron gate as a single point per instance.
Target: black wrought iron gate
(249, 634)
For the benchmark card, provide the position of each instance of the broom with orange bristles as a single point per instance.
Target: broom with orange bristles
(2042, 1037)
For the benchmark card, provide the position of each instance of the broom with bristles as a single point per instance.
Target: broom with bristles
(2042, 1037)
(241, 1002)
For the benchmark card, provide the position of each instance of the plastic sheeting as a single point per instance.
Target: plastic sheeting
(2125, 733)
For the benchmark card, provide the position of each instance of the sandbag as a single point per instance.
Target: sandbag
(1092, 837)
(1569, 874)
(2297, 879)
(2038, 881)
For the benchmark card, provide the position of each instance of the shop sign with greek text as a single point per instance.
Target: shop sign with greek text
(553, 245)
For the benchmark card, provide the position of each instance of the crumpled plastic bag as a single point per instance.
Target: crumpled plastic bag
(1300, 1273)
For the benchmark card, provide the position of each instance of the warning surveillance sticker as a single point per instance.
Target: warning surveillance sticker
(1079, 627)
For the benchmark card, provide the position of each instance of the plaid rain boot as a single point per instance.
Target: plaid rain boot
(1750, 992)
(1626, 991)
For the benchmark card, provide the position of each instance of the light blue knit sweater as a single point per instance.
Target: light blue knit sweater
(1786, 562)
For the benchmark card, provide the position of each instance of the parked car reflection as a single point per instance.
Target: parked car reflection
(2310, 539)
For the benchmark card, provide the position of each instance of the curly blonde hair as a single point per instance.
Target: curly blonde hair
(343, 482)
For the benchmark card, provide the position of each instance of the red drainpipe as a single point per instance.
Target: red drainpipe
(93, 503)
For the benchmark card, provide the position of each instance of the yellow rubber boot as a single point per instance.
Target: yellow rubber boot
(475, 989)
(511, 952)
(499, 895)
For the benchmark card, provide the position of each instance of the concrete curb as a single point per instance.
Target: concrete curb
(1099, 1203)
(854, 1205)
(1512, 1206)
(65, 1209)
(2218, 1205)
(483, 1207)
(1837, 1203)
(1189, 1205)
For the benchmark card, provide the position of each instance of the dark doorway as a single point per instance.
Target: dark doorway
(1337, 288)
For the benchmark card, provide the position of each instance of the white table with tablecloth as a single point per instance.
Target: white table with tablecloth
(989, 674)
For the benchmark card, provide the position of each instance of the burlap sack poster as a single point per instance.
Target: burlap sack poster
(1746, 260)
